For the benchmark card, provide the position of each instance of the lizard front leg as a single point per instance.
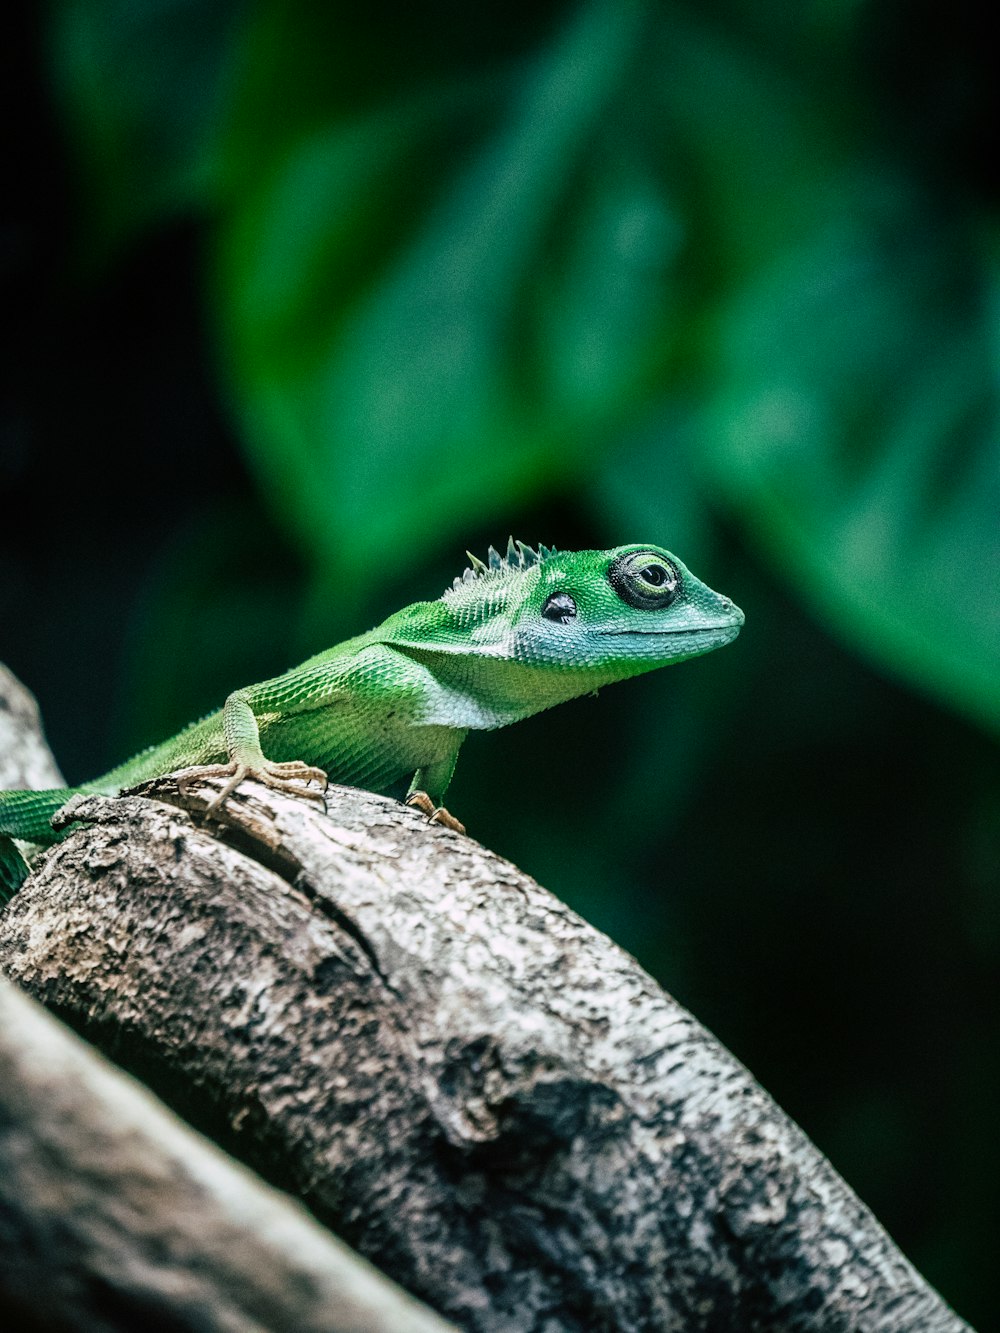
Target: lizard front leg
(247, 759)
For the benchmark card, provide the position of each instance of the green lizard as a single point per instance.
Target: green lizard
(389, 710)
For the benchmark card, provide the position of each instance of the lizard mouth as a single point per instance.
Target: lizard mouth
(666, 633)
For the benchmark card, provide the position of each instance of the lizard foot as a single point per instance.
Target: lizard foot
(291, 777)
(436, 814)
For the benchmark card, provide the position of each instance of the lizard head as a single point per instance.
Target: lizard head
(615, 613)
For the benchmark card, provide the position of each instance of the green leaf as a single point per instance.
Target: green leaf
(435, 310)
(622, 254)
(857, 428)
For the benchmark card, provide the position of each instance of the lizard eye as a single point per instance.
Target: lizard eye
(560, 607)
(654, 574)
(645, 580)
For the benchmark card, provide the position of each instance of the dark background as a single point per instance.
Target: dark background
(303, 301)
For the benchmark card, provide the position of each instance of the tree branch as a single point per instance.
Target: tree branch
(114, 1215)
(25, 759)
(469, 1084)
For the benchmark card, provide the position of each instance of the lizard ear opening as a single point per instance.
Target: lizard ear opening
(560, 607)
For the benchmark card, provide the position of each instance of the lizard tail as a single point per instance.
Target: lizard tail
(13, 870)
(26, 815)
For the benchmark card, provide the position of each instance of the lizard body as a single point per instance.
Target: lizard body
(389, 710)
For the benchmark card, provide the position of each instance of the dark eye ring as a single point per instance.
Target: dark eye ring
(560, 607)
(645, 580)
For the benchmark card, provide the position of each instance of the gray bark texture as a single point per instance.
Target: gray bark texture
(25, 759)
(459, 1076)
(114, 1215)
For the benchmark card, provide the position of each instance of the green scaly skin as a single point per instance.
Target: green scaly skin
(389, 710)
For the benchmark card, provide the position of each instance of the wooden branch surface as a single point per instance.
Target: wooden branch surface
(468, 1083)
(115, 1215)
(25, 760)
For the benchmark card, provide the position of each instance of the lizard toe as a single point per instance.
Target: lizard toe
(436, 814)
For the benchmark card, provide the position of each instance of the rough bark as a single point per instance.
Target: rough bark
(25, 759)
(469, 1084)
(115, 1215)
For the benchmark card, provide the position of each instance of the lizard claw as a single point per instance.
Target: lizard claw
(193, 777)
(291, 777)
(436, 814)
(292, 770)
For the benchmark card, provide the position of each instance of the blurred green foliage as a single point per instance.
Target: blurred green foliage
(722, 276)
(453, 267)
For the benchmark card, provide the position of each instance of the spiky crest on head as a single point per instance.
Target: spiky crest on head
(519, 556)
